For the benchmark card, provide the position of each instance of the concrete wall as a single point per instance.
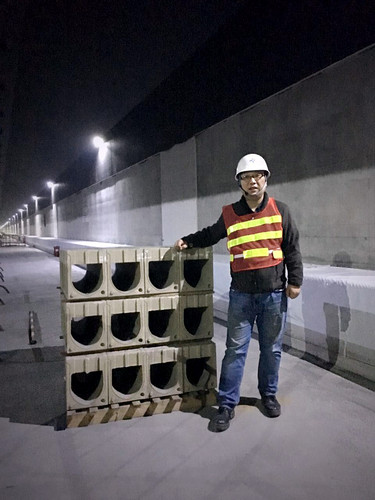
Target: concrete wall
(318, 138)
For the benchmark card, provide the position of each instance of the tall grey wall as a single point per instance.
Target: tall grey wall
(318, 139)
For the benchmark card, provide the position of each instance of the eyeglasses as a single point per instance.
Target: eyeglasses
(252, 175)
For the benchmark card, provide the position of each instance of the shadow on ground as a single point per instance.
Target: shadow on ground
(32, 387)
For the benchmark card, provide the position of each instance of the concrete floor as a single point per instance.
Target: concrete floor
(322, 446)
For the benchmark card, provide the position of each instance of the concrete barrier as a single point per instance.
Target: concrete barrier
(333, 318)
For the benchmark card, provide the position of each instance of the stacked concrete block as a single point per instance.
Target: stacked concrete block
(138, 324)
(196, 313)
(83, 275)
(162, 319)
(85, 326)
(196, 270)
(128, 378)
(162, 270)
(199, 366)
(87, 381)
(126, 322)
(125, 272)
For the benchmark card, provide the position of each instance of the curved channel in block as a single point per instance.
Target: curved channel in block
(86, 330)
(162, 375)
(127, 380)
(196, 370)
(193, 271)
(125, 275)
(87, 386)
(193, 318)
(158, 322)
(159, 273)
(125, 326)
(92, 279)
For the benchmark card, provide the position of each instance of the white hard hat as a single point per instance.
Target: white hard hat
(251, 163)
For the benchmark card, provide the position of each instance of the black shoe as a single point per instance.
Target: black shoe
(221, 420)
(271, 406)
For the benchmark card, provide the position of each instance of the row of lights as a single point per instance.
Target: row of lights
(98, 142)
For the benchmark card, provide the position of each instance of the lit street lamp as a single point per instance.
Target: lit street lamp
(36, 198)
(98, 141)
(52, 185)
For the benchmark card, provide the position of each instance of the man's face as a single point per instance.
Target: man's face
(253, 182)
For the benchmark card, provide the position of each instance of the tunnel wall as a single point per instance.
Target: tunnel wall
(317, 137)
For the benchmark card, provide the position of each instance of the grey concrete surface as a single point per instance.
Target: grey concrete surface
(322, 446)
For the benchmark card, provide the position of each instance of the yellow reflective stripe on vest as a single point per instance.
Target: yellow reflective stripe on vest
(277, 254)
(267, 235)
(253, 223)
(256, 252)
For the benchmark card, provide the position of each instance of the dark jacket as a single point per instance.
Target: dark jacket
(258, 280)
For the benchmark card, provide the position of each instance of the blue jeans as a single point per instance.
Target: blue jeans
(268, 310)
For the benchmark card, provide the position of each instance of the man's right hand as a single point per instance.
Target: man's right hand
(180, 245)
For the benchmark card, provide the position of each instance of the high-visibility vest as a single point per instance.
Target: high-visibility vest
(254, 240)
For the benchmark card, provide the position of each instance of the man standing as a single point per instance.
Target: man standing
(262, 240)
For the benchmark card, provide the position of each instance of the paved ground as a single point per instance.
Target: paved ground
(322, 446)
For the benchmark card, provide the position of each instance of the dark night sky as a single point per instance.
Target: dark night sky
(84, 65)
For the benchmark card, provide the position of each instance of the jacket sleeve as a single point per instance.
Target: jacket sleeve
(207, 236)
(290, 246)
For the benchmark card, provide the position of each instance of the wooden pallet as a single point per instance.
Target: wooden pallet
(189, 402)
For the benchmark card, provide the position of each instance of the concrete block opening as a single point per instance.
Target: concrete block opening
(128, 380)
(164, 370)
(92, 279)
(159, 274)
(196, 270)
(126, 326)
(197, 371)
(126, 322)
(193, 271)
(125, 270)
(193, 318)
(164, 375)
(126, 275)
(83, 274)
(161, 270)
(127, 376)
(196, 319)
(199, 366)
(86, 381)
(87, 386)
(159, 322)
(87, 330)
(85, 326)
(162, 319)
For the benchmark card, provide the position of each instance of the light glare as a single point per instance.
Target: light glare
(98, 141)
